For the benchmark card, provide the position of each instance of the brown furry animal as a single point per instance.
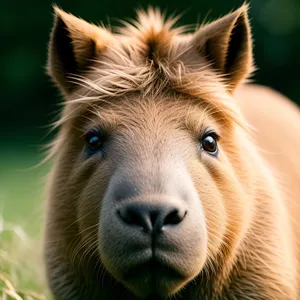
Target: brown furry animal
(172, 179)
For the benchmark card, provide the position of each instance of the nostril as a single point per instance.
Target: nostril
(133, 215)
(174, 217)
(129, 216)
(150, 217)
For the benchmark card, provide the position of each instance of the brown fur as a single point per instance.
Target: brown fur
(154, 90)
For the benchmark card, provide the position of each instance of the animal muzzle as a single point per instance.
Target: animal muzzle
(152, 240)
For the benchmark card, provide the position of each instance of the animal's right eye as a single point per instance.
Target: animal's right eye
(93, 142)
(210, 143)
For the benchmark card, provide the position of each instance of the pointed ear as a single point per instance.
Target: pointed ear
(227, 44)
(73, 45)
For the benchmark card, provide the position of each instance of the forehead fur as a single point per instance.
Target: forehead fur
(151, 56)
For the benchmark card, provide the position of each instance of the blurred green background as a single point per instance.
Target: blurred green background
(29, 101)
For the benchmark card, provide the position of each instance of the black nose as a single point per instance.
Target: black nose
(151, 218)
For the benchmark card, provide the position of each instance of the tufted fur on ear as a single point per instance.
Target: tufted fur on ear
(73, 44)
(227, 44)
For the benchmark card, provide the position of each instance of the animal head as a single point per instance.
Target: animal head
(150, 175)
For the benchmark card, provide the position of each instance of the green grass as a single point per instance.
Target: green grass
(21, 218)
(21, 275)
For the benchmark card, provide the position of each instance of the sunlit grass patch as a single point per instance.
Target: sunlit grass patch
(21, 268)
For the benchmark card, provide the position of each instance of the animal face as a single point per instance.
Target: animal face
(149, 166)
(144, 198)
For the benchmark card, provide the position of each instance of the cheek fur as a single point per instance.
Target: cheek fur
(90, 200)
(226, 204)
(213, 207)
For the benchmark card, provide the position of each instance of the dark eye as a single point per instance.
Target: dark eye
(93, 142)
(210, 144)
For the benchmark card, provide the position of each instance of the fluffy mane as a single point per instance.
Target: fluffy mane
(150, 56)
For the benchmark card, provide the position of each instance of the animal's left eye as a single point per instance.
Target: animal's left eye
(93, 142)
(210, 144)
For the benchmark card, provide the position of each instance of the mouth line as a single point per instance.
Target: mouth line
(154, 267)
